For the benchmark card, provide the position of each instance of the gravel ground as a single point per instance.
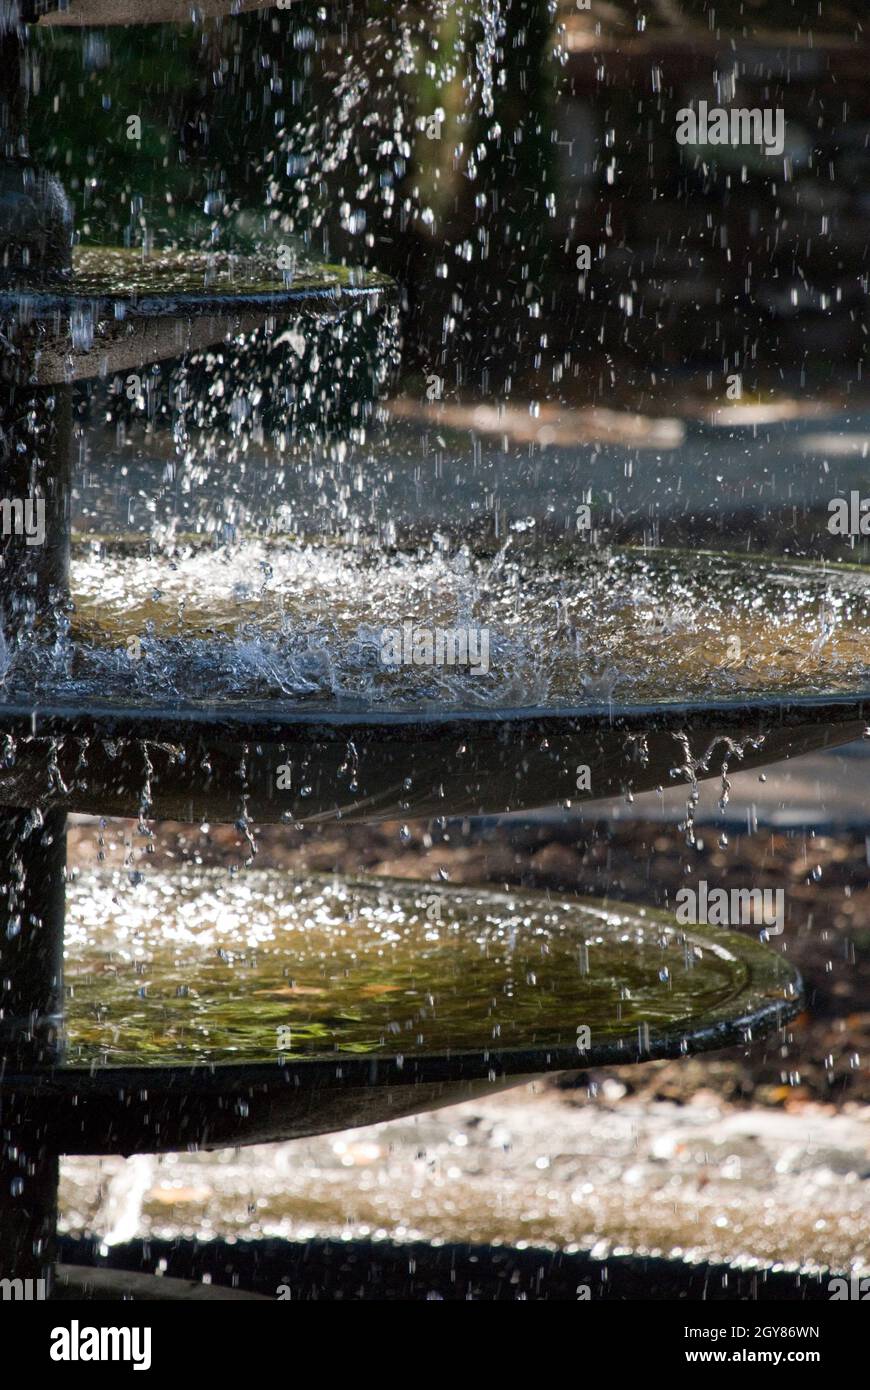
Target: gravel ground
(531, 1167)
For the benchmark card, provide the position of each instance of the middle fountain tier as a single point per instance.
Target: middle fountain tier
(207, 1009)
(294, 679)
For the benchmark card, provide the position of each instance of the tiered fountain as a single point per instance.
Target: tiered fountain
(239, 1010)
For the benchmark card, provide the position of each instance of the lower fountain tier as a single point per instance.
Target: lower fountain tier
(206, 1009)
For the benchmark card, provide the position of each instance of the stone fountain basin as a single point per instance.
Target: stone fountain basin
(208, 720)
(205, 1010)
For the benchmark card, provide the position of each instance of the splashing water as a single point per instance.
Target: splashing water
(256, 620)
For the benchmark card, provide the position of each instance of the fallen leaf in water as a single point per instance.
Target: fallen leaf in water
(290, 991)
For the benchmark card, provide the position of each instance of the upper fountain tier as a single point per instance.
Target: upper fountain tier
(120, 308)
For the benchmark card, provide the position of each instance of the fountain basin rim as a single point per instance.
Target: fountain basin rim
(241, 723)
(42, 304)
(167, 284)
(228, 1078)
